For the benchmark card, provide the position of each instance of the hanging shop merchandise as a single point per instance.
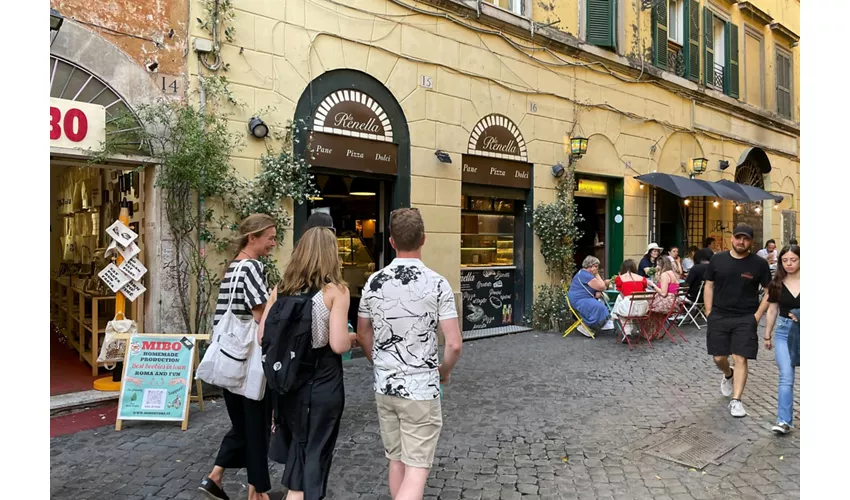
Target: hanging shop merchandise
(87, 201)
(496, 182)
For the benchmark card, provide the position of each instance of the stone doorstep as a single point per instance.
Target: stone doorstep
(75, 400)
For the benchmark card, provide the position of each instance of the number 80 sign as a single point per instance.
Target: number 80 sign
(75, 124)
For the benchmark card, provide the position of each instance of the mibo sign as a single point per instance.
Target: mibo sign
(75, 124)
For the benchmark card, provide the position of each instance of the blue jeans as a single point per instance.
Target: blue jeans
(785, 409)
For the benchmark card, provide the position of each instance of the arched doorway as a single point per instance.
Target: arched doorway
(751, 170)
(356, 140)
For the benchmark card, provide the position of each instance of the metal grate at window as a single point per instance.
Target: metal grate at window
(696, 221)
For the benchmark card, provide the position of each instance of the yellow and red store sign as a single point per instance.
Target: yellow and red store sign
(75, 124)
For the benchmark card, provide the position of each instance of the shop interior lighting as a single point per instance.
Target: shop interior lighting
(443, 156)
(258, 128)
(56, 20)
(699, 165)
(558, 170)
(362, 187)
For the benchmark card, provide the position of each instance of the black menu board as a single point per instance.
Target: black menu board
(488, 298)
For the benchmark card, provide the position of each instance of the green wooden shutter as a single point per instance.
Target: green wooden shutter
(731, 73)
(783, 85)
(659, 34)
(691, 48)
(708, 45)
(601, 16)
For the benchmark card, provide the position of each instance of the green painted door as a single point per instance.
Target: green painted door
(616, 225)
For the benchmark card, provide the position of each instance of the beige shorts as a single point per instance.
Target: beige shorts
(410, 429)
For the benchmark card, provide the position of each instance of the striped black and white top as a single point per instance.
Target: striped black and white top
(251, 289)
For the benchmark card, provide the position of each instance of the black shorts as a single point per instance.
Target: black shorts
(733, 335)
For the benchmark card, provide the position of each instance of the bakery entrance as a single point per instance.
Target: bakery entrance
(359, 207)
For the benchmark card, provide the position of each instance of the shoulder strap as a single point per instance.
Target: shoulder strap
(234, 281)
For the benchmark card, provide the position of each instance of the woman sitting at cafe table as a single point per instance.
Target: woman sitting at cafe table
(584, 294)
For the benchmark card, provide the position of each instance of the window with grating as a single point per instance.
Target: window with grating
(696, 221)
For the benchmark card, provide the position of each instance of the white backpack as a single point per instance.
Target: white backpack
(233, 359)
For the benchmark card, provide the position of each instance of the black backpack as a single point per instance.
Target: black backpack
(288, 357)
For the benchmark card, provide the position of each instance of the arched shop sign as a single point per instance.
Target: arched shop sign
(351, 131)
(497, 154)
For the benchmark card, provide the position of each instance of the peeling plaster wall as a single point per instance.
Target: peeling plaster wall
(150, 19)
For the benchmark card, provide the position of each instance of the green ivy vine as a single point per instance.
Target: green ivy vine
(555, 224)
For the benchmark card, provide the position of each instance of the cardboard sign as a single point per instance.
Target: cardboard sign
(133, 289)
(157, 378)
(114, 277)
(122, 234)
(133, 268)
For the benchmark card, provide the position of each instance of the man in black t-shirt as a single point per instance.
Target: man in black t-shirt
(732, 282)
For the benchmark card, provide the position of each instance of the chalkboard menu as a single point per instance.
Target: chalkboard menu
(488, 298)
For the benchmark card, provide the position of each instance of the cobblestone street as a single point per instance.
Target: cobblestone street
(531, 415)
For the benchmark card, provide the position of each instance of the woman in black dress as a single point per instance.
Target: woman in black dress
(307, 421)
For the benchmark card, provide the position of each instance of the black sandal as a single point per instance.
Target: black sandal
(212, 490)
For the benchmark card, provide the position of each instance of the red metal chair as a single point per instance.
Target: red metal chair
(667, 319)
(640, 301)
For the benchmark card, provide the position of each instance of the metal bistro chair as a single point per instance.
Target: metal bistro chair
(636, 320)
(695, 310)
(663, 319)
(578, 322)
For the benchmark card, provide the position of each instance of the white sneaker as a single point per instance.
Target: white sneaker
(736, 408)
(781, 428)
(609, 325)
(727, 385)
(584, 331)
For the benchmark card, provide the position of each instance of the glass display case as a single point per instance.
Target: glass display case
(352, 251)
(487, 240)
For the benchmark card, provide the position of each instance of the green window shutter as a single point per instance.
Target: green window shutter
(708, 46)
(783, 85)
(731, 73)
(659, 34)
(601, 16)
(691, 48)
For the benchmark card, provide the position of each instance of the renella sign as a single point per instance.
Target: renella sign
(75, 124)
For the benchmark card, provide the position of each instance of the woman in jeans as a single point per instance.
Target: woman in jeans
(783, 296)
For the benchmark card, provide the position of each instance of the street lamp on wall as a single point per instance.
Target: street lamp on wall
(699, 165)
(578, 148)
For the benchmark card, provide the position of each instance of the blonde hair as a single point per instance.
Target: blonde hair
(314, 263)
(663, 264)
(253, 224)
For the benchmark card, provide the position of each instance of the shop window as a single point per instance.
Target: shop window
(488, 227)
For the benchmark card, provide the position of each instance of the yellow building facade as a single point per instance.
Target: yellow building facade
(498, 87)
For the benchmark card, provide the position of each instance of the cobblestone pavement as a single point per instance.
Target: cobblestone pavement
(531, 415)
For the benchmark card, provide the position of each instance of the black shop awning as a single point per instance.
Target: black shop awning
(678, 185)
(752, 193)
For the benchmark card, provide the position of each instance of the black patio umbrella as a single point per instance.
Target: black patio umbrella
(751, 192)
(676, 184)
(723, 191)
